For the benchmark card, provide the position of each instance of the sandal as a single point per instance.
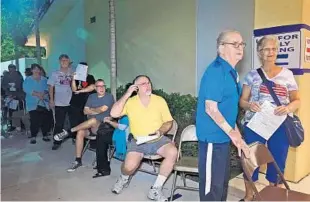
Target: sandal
(253, 197)
(102, 174)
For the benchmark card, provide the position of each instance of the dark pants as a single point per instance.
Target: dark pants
(104, 139)
(60, 117)
(39, 120)
(76, 117)
(214, 171)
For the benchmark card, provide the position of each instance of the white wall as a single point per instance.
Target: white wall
(154, 37)
(65, 36)
(216, 16)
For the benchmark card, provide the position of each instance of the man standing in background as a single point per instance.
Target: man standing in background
(60, 94)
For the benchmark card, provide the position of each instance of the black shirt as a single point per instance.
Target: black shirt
(79, 100)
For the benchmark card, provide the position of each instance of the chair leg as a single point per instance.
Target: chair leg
(154, 166)
(173, 185)
(183, 178)
(111, 152)
(85, 147)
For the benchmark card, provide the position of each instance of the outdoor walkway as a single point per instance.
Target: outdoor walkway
(35, 172)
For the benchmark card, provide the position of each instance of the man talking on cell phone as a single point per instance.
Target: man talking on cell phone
(148, 115)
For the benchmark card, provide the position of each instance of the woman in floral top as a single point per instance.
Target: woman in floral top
(255, 93)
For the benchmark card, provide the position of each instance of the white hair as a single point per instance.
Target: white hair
(261, 43)
(223, 36)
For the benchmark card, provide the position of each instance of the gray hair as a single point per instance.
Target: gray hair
(223, 36)
(261, 42)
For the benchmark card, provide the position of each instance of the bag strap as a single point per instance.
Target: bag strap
(269, 87)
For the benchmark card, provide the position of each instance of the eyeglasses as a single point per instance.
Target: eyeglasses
(100, 86)
(235, 44)
(269, 50)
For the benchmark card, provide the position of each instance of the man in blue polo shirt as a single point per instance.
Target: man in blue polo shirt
(216, 117)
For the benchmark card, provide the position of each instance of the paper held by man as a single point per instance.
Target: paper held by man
(265, 122)
(145, 139)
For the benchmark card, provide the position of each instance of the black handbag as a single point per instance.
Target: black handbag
(42, 108)
(293, 126)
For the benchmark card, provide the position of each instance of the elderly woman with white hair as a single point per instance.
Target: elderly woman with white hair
(255, 93)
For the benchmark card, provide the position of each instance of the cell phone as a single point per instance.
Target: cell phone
(135, 92)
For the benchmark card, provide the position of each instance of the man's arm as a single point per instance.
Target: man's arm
(212, 110)
(165, 127)
(108, 120)
(89, 111)
(51, 94)
(234, 134)
(51, 83)
(88, 89)
(101, 109)
(118, 107)
(93, 111)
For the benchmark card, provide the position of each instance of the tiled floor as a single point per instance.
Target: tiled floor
(35, 172)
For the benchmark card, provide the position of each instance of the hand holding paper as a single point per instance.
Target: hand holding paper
(144, 139)
(81, 72)
(265, 122)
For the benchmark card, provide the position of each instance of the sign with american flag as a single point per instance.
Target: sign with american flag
(307, 50)
(288, 53)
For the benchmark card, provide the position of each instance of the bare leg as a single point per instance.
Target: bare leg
(169, 152)
(249, 193)
(132, 162)
(90, 123)
(79, 143)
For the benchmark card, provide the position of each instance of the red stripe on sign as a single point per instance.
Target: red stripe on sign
(308, 50)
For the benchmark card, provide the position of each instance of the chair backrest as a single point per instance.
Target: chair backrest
(188, 135)
(173, 131)
(259, 155)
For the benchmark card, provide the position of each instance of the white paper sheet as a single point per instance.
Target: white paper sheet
(81, 72)
(265, 122)
(144, 139)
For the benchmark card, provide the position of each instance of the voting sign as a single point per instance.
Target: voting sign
(288, 52)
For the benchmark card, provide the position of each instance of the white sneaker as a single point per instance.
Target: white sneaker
(156, 194)
(61, 136)
(120, 185)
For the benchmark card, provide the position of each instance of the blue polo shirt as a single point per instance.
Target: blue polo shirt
(217, 84)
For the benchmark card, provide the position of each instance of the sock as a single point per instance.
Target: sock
(160, 180)
(78, 159)
(124, 177)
